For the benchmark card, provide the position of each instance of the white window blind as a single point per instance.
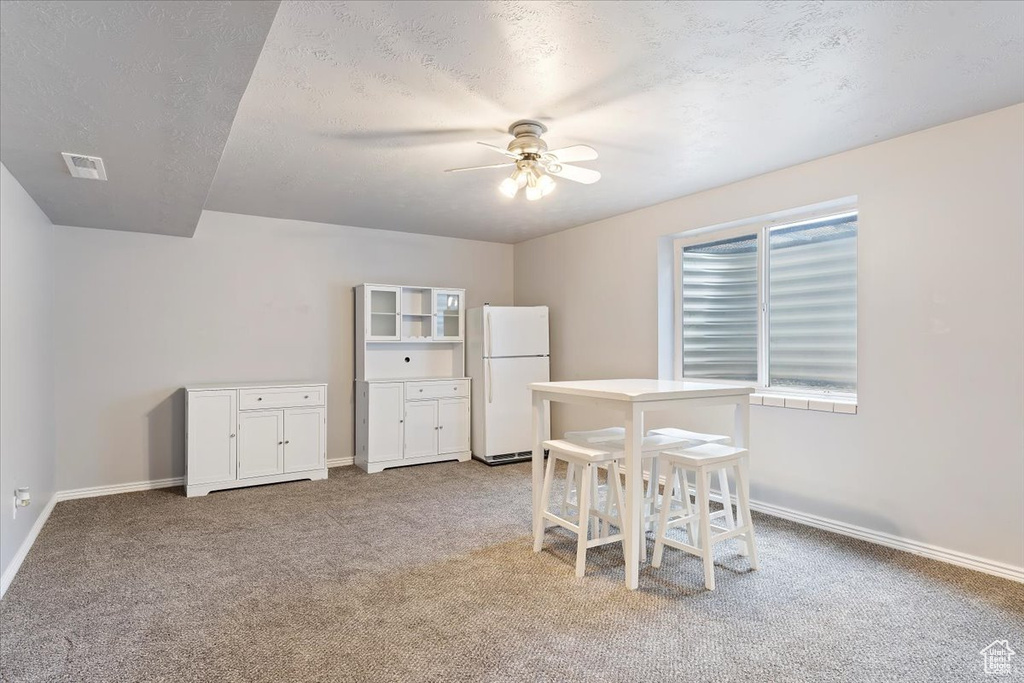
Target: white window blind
(720, 309)
(812, 305)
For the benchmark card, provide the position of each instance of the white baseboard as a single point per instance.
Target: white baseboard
(26, 545)
(934, 552)
(94, 491)
(1000, 569)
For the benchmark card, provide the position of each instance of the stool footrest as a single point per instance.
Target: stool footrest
(679, 545)
(561, 521)
(731, 533)
(572, 526)
(604, 540)
(685, 519)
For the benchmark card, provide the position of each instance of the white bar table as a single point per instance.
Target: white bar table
(630, 398)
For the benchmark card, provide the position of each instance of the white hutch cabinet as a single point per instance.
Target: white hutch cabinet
(412, 396)
(249, 434)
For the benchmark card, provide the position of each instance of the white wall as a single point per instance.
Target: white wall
(139, 316)
(27, 455)
(936, 453)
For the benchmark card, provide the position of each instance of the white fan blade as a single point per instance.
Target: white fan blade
(574, 153)
(576, 174)
(474, 168)
(499, 150)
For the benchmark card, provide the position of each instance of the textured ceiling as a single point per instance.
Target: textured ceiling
(354, 109)
(152, 87)
(676, 97)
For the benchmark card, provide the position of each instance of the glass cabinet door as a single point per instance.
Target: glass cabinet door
(448, 323)
(383, 312)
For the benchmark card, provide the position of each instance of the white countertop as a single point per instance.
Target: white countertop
(641, 389)
(416, 379)
(253, 385)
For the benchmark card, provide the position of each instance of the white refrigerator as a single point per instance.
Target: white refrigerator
(507, 349)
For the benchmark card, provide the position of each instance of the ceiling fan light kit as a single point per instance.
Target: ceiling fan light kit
(535, 164)
(509, 187)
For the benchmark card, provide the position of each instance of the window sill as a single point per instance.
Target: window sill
(845, 407)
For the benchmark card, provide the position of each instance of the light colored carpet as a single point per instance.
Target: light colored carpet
(426, 574)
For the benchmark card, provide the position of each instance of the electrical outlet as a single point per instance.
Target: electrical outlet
(14, 511)
(22, 498)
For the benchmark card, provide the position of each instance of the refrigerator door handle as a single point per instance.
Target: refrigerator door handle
(487, 333)
(490, 384)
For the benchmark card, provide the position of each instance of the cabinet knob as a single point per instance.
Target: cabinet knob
(441, 427)
(280, 443)
(232, 436)
(399, 422)
(306, 396)
(287, 441)
(259, 398)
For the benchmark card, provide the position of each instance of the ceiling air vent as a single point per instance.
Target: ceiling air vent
(82, 166)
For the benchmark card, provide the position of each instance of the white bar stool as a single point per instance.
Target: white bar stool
(585, 438)
(614, 439)
(695, 439)
(586, 460)
(703, 460)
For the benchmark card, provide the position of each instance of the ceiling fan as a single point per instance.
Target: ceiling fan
(535, 163)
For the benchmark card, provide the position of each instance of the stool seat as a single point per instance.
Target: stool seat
(584, 454)
(705, 454)
(650, 446)
(687, 435)
(619, 433)
(596, 435)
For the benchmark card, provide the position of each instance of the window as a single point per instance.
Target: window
(773, 305)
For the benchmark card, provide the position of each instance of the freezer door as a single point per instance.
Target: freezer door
(515, 331)
(508, 402)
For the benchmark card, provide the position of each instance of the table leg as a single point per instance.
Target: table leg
(540, 431)
(740, 439)
(741, 423)
(632, 537)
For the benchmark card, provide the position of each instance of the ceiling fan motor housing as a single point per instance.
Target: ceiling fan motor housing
(527, 137)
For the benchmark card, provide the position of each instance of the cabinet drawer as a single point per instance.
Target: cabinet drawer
(446, 389)
(280, 397)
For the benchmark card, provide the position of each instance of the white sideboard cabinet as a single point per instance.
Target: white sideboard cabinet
(249, 434)
(412, 396)
(411, 422)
